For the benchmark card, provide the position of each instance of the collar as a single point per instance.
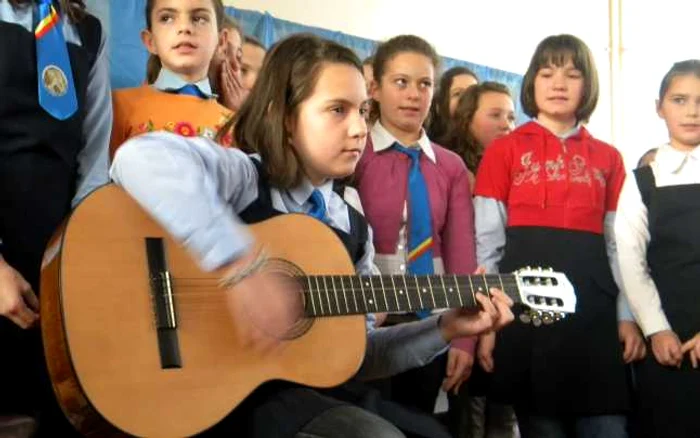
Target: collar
(167, 80)
(535, 127)
(301, 193)
(564, 135)
(383, 140)
(670, 160)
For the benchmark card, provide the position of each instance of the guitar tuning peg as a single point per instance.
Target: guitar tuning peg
(547, 318)
(525, 317)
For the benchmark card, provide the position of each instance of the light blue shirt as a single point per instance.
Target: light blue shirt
(93, 161)
(169, 81)
(195, 189)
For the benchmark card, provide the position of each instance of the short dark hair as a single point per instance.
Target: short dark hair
(287, 78)
(249, 39)
(557, 50)
(439, 120)
(682, 68)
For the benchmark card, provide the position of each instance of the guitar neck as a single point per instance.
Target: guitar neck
(333, 295)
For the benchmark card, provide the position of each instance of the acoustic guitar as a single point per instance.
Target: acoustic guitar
(140, 341)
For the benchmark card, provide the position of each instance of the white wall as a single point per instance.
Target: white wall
(653, 38)
(501, 34)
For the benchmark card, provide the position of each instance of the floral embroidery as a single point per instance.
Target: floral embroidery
(184, 129)
(578, 171)
(554, 169)
(531, 171)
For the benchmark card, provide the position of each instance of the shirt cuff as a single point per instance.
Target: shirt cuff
(467, 344)
(220, 243)
(654, 324)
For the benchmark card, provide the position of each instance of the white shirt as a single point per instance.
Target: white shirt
(671, 167)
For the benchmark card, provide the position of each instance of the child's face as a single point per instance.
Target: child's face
(680, 109)
(184, 35)
(230, 49)
(329, 131)
(494, 117)
(460, 84)
(559, 91)
(404, 92)
(251, 63)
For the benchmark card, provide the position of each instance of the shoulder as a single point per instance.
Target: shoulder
(449, 160)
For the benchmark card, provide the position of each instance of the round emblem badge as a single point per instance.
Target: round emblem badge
(55, 81)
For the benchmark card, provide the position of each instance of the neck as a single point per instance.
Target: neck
(680, 146)
(192, 78)
(558, 125)
(406, 138)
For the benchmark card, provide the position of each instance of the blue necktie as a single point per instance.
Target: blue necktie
(55, 77)
(420, 229)
(191, 90)
(318, 206)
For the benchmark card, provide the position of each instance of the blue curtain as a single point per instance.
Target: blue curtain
(126, 19)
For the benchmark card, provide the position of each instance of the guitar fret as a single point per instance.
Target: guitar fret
(374, 296)
(444, 291)
(459, 292)
(320, 298)
(488, 288)
(354, 295)
(471, 286)
(386, 302)
(405, 286)
(335, 292)
(396, 292)
(432, 294)
(420, 291)
(364, 297)
(345, 297)
(328, 295)
(311, 295)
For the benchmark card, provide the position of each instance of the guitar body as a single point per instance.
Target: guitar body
(100, 337)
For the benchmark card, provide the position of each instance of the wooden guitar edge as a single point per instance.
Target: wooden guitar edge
(69, 394)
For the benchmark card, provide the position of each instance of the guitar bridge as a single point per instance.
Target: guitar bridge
(163, 304)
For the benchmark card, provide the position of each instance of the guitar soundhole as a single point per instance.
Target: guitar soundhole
(293, 297)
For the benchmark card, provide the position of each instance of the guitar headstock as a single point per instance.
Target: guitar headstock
(548, 296)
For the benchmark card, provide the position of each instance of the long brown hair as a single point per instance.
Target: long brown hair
(460, 137)
(287, 78)
(74, 9)
(439, 119)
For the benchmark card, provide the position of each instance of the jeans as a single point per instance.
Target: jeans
(349, 422)
(599, 426)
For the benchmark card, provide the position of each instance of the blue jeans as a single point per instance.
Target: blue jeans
(599, 426)
(349, 422)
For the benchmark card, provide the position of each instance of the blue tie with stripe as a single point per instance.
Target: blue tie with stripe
(420, 229)
(56, 88)
(318, 206)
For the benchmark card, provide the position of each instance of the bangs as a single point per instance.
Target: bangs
(559, 57)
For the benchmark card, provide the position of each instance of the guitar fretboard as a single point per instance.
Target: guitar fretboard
(347, 295)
